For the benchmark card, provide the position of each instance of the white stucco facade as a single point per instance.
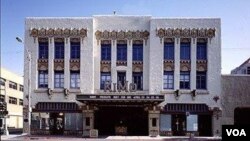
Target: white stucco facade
(153, 59)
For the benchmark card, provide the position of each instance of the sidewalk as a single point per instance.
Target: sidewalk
(24, 137)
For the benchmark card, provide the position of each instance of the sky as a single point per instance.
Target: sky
(234, 14)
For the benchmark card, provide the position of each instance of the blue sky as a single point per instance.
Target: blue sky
(234, 14)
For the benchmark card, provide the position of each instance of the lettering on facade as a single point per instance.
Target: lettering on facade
(132, 87)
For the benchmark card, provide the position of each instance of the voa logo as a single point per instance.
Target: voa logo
(236, 132)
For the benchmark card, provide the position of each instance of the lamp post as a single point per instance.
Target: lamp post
(6, 131)
(28, 55)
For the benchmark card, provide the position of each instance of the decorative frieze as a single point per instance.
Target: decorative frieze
(137, 66)
(58, 32)
(75, 64)
(58, 64)
(168, 65)
(185, 65)
(42, 64)
(185, 33)
(201, 65)
(105, 66)
(121, 35)
(121, 63)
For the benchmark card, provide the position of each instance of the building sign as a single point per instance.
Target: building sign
(113, 87)
(120, 97)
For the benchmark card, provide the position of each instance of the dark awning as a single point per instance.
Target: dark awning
(182, 107)
(120, 99)
(56, 107)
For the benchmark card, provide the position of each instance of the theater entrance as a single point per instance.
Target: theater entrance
(121, 121)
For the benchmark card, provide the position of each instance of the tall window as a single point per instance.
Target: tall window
(106, 52)
(75, 50)
(21, 88)
(137, 52)
(138, 80)
(43, 79)
(43, 50)
(184, 80)
(2, 81)
(185, 51)
(201, 79)
(105, 76)
(121, 77)
(2, 98)
(75, 79)
(59, 79)
(59, 50)
(201, 51)
(169, 51)
(20, 102)
(121, 52)
(13, 85)
(12, 100)
(248, 70)
(168, 80)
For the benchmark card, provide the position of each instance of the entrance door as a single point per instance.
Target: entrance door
(242, 116)
(121, 121)
(56, 123)
(205, 125)
(179, 124)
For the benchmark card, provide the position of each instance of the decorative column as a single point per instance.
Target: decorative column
(51, 63)
(153, 122)
(129, 61)
(145, 64)
(113, 61)
(66, 63)
(193, 64)
(88, 121)
(177, 64)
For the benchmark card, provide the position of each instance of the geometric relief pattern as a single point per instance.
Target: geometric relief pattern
(74, 64)
(168, 65)
(58, 32)
(58, 64)
(121, 35)
(42, 64)
(185, 65)
(137, 66)
(185, 33)
(201, 65)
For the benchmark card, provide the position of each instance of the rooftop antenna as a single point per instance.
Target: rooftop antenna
(114, 12)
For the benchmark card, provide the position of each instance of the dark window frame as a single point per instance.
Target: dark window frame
(75, 50)
(137, 52)
(185, 80)
(12, 100)
(122, 76)
(21, 88)
(121, 53)
(20, 102)
(201, 51)
(169, 51)
(13, 85)
(138, 79)
(105, 76)
(185, 51)
(75, 79)
(42, 79)
(106, 52)
(201, 80)
(59, 50)
(59, 79)
(168, 83)
(43, 50)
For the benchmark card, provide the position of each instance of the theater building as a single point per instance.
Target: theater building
(124, 75)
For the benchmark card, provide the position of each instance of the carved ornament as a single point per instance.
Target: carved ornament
(58, 32)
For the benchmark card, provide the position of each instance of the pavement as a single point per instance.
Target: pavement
(23, 137)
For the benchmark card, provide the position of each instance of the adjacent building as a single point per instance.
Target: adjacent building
(124, 75)
(12, 87)
(244, 68)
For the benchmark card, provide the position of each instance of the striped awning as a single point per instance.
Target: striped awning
(181, 107)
